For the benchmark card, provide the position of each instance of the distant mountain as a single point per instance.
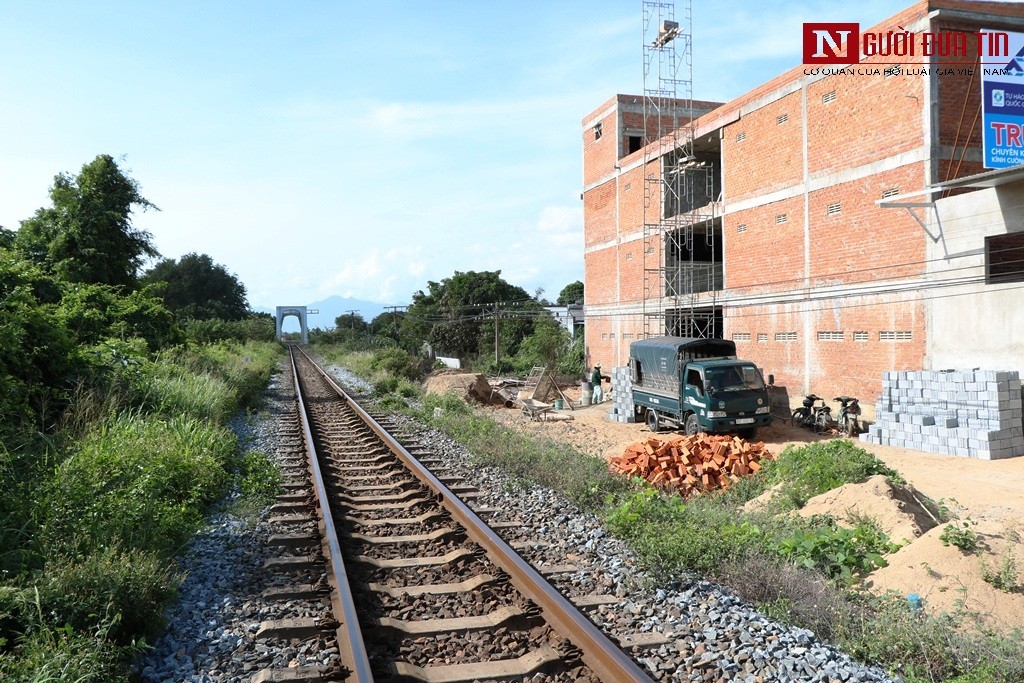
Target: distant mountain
(333, 306)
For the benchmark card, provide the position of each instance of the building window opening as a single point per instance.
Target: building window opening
(834, 209)
(633, 143)
(829, 97)
(598, 131)
(781, 119)
(1004, 258)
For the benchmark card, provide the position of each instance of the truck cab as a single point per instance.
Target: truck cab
(697, 385)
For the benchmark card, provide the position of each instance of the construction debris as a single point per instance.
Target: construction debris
(692, 464)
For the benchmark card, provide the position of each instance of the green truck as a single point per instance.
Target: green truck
(697, 385)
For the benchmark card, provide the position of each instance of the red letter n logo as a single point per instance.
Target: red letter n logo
(824, 43)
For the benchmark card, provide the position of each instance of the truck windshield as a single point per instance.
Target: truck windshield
(734, 378)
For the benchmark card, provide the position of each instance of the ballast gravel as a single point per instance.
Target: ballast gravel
(211, 632)
(712, 635)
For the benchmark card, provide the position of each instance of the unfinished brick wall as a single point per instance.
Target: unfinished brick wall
(767, 251)
(761, 155)
(865, 136)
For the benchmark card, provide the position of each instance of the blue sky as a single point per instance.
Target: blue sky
(353, 149)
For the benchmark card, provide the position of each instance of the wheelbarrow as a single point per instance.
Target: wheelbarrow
(536, 410)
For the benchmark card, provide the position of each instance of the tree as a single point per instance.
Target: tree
(7, 238)
(457, 314)
(351, 321)
(572, 293)
(37, 353)
(87, 235)
(95, 312)
(195, 287)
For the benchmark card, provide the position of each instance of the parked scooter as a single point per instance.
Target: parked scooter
(849, 410)
(813, 416)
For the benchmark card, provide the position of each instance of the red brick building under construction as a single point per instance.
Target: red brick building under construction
(800, 244)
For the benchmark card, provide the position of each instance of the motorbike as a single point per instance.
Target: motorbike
(849, 410)
(813, 416)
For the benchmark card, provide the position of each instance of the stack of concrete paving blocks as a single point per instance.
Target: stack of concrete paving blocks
(971, 413)
(622, 396)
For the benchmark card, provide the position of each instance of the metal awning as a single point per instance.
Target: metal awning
(1000, 176)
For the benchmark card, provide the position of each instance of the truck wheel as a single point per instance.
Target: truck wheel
(692, 425)
(748, 433)
(653, 421)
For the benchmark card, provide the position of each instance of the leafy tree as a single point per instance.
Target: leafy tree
(36, 351)
(87, 235)
(196, 287)
(96, 312)
(456, 315)
(7, 238)
(351, 321)
(572, 293)
(388, 324)
(548, 341)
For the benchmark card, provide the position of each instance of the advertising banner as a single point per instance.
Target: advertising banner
(1002, 104)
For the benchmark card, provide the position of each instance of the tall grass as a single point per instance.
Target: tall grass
(139, 480)
(107, 500)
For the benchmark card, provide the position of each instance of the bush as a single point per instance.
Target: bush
(396, 362)
(124, 589)
(385, 385)
(961, 535)
(807, 471)
(838, 552)
(138, 480)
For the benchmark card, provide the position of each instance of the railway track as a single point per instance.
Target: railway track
(420, 588)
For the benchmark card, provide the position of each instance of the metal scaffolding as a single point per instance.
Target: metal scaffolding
(681, 270)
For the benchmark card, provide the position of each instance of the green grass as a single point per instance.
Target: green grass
(109, 498)
(140, 480)
(807, 471)
(529, 460)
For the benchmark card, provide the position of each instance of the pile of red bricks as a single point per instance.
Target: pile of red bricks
(692, 464)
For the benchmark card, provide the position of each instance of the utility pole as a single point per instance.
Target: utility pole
(394, 320)
(496, 334)
(352, 319)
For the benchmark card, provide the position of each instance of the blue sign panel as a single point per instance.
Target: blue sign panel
(1002, 101)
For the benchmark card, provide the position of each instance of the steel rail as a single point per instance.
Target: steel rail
(599, 653)
(351, 647)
